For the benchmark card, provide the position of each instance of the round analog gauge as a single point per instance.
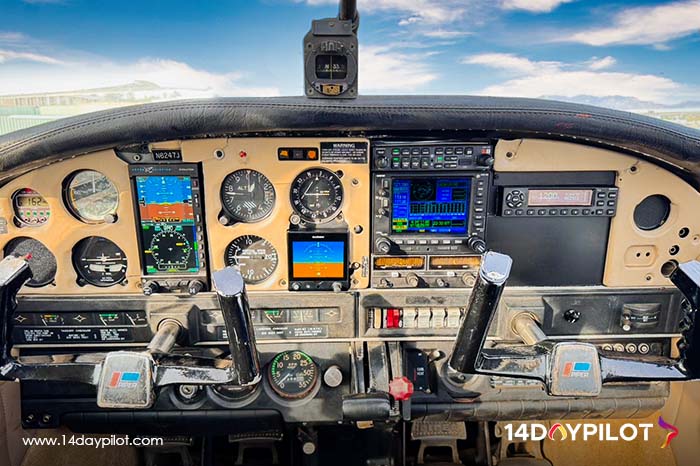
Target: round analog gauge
(317, 194)
(42, 262)
(91, 196)
(100, 262)
(170, 250)
(247, 196)
(292, 374)
(256, 257)
(31, 209)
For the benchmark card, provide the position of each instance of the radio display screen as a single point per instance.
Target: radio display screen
(430, 205)
(560, 197)
(167, 227)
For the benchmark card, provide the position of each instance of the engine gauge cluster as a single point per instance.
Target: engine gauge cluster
(31, 209)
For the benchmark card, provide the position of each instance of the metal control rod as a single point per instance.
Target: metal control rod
(230, 290)
(348, 10)
(165, 337)
(493, 273)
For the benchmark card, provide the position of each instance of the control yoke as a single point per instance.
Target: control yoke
(126, 379)
(567, 368)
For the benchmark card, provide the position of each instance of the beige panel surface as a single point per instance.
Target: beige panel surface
(63, 231)
(636, 180)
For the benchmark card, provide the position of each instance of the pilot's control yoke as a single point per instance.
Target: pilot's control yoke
(126, 379)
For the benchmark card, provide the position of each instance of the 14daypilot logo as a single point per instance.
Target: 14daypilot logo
(589, 431)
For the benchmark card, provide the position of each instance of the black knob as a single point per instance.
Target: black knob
(383, 245)
(195, 286)
(382, 162)
(150, 287)
(486, 160)
(477, 244)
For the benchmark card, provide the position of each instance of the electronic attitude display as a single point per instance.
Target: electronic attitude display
(430, 205)
(318, 261)
(171, 234)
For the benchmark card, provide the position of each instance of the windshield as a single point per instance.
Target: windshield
(66, 57)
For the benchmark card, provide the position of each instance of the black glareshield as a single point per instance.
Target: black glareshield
(230, 290)
(493, 273)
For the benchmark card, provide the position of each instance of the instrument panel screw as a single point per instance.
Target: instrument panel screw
(510, 155)
(219, 154)
(572, 316)
(355, 182)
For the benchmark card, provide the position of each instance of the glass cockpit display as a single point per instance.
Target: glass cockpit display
(430, 205)
(167, 226)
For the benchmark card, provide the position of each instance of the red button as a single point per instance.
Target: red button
(401, 388)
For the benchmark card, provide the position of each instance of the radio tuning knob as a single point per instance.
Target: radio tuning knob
(382, 212)
(382, 162)
(195, 286)
(477, 244)
(442, 283)
(412, 280)
(150, 287)
(468, 279)
(383, 245)
(384, 193)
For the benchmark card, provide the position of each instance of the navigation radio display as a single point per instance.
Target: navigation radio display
(430, 205)
(167, 227)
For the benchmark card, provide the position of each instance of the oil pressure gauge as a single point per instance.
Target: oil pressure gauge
(293, 375)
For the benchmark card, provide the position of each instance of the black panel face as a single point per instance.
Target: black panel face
(570, 251)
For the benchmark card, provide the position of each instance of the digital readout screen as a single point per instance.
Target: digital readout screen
(318, 260)
(167, 225)
(560, 197)
(423, 205)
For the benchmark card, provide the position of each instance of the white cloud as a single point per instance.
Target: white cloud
(7, 55)
(537, 79)
(385, 68)
(177, 77)
(535, 6)
(601, 63)
(645, 25)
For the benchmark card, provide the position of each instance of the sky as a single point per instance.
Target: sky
(644, 50)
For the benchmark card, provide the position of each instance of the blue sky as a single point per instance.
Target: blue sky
(646, 50)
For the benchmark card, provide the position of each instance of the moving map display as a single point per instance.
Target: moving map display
(429, 205)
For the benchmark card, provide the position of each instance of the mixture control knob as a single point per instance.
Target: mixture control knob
(381, 162)
(150, 287)
(383, 245)
(412, 280)
(195, 286)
